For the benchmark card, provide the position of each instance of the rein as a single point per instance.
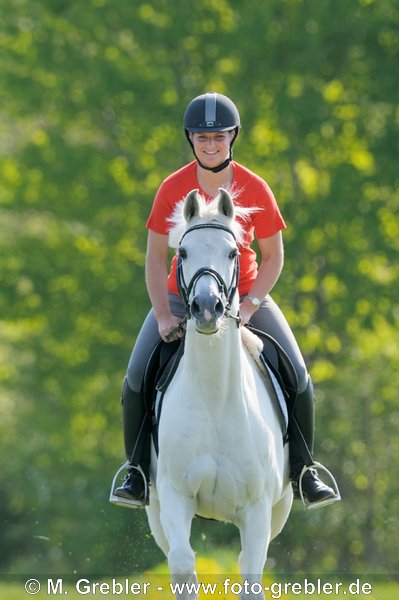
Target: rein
(228, 291)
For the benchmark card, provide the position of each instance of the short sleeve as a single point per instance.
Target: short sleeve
(161, 211)
(268, 220)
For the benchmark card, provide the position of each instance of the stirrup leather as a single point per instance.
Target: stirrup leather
(127, 502)
(320, 503)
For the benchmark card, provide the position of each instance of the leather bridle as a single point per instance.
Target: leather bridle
(228, 291)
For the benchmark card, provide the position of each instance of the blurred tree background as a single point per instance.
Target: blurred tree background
(92, 96)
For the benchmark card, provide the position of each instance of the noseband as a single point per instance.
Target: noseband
(227, 291)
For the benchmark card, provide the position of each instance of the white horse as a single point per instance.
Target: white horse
(221, 452)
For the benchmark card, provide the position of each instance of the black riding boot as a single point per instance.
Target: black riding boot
(135, 431)
(313, 489)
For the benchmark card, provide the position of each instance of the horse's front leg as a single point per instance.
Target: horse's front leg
(255, 529)
(177, 512)
(153, 515)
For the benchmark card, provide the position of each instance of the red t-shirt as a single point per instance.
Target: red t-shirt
(250, 191)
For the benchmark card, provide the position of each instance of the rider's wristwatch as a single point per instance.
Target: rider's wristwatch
(254, 301)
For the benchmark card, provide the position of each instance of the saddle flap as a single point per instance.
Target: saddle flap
(160, 369)
(281, 365)
(279, 395)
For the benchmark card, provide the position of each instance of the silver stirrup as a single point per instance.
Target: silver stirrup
(127, 502)
(321, 503)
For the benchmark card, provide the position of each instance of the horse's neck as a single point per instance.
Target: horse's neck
(215, 361)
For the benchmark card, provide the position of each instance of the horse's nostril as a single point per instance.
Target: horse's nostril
(195, 309)
(219, 308)
(210, 305)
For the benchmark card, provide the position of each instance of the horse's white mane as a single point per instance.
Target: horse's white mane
(208, 211)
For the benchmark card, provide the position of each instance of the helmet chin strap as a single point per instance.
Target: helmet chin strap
(217, 169)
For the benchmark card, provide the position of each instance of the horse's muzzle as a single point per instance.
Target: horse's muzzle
(207, 311)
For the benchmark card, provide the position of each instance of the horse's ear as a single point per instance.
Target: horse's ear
(191, 205)
(226, 206)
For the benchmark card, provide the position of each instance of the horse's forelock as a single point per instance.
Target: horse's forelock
(208, 211)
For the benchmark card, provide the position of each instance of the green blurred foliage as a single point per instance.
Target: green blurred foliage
(92, 96)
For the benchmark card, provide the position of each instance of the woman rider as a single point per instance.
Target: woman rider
(211, 124)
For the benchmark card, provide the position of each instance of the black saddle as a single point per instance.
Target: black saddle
(276, 358)
(161, 367)
(165, 359)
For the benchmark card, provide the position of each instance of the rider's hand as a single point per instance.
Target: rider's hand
(168, 328)
(246, 312)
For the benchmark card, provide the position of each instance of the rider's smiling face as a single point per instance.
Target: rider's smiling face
(212, 148)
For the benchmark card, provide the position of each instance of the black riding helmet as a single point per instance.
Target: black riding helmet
(212, 112)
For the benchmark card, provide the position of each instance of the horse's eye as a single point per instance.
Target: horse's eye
(233, 253)
(182, 253)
